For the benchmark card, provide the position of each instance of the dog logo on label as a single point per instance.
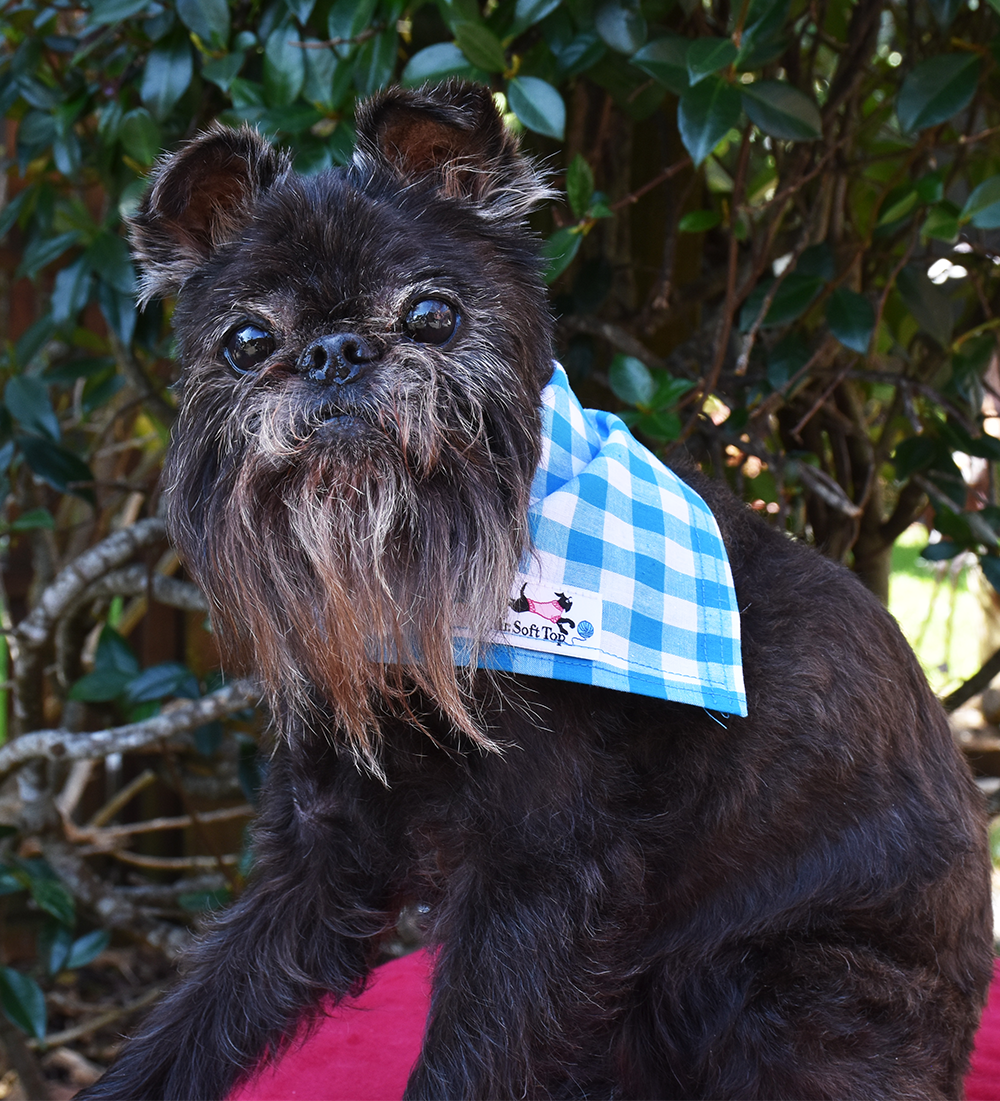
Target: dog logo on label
(552, 610)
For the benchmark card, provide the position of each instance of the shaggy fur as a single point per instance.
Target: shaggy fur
(629, 899)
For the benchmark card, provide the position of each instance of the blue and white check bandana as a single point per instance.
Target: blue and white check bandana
(628, 585)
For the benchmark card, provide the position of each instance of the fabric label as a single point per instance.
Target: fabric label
(553, 618)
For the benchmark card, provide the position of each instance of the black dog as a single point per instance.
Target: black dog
(629, 899)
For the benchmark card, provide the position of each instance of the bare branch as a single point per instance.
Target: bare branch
(62, 745)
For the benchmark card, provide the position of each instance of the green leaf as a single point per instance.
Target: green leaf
(898, 203)
(284, 66)
(990, 565)
(982, 208)
(665, 60)
(579, 185)
(621, 24)
(917, 453)
(140, 135)
(114, 11)
(54, 943)
(481, 46)
(941, 551)
(376, 62)
(698, 221)
(320, 69)
(168, 680)
(54, 899)
(941, 222)
(34, 519)
(348, 18)
(709, 55)
(70, 291)
(790, 301)
(208, 19)
(529, 12)
(706, 113)
(109, 257)
(42, 251)
(198, 901)
(87, 948)
(558, 251)
(301, 9)
(57, 466)
(782, 111)
(631, 381)
(436, 62)
(23, 1002)
(222, 71)
(12, 211)
(661, 425)
(538, 105)
(851, 318)
(167, 74)
(930, 306)
(27, 398)
(945, 11)
(937, 89)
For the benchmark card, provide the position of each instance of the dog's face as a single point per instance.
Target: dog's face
(362, 358)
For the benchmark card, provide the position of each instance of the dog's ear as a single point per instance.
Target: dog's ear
(200, 198)
(452, 134)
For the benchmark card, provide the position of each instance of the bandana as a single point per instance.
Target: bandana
(627, 585)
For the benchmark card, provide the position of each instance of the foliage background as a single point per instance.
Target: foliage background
(778, 249)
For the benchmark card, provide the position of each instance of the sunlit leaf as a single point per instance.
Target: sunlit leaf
(538, 105)
(621, 24)
(436, 62)
(631, 380)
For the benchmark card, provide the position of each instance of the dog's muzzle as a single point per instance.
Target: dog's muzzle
(339, 358)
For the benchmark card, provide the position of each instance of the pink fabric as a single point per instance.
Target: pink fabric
(983, 1081)
(364, 1050)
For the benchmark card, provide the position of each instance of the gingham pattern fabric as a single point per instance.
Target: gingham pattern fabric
(618, 535)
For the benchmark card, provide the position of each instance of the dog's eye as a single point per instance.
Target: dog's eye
(431, 322)
(247, 347)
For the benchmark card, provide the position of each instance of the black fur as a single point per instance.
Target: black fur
(632, 900)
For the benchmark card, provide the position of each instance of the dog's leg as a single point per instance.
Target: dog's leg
(791, 1019)
(532, 969)
(304, 927)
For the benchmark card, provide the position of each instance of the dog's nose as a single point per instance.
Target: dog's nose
(337, 357)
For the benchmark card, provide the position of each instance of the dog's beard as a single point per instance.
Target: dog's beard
(340, 557)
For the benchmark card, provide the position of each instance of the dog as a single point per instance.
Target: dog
(628, 895)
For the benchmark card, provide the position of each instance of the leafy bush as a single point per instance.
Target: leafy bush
(778, 249)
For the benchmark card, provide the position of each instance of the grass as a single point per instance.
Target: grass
(940, 616)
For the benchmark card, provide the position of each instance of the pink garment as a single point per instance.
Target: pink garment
(365, 1048)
